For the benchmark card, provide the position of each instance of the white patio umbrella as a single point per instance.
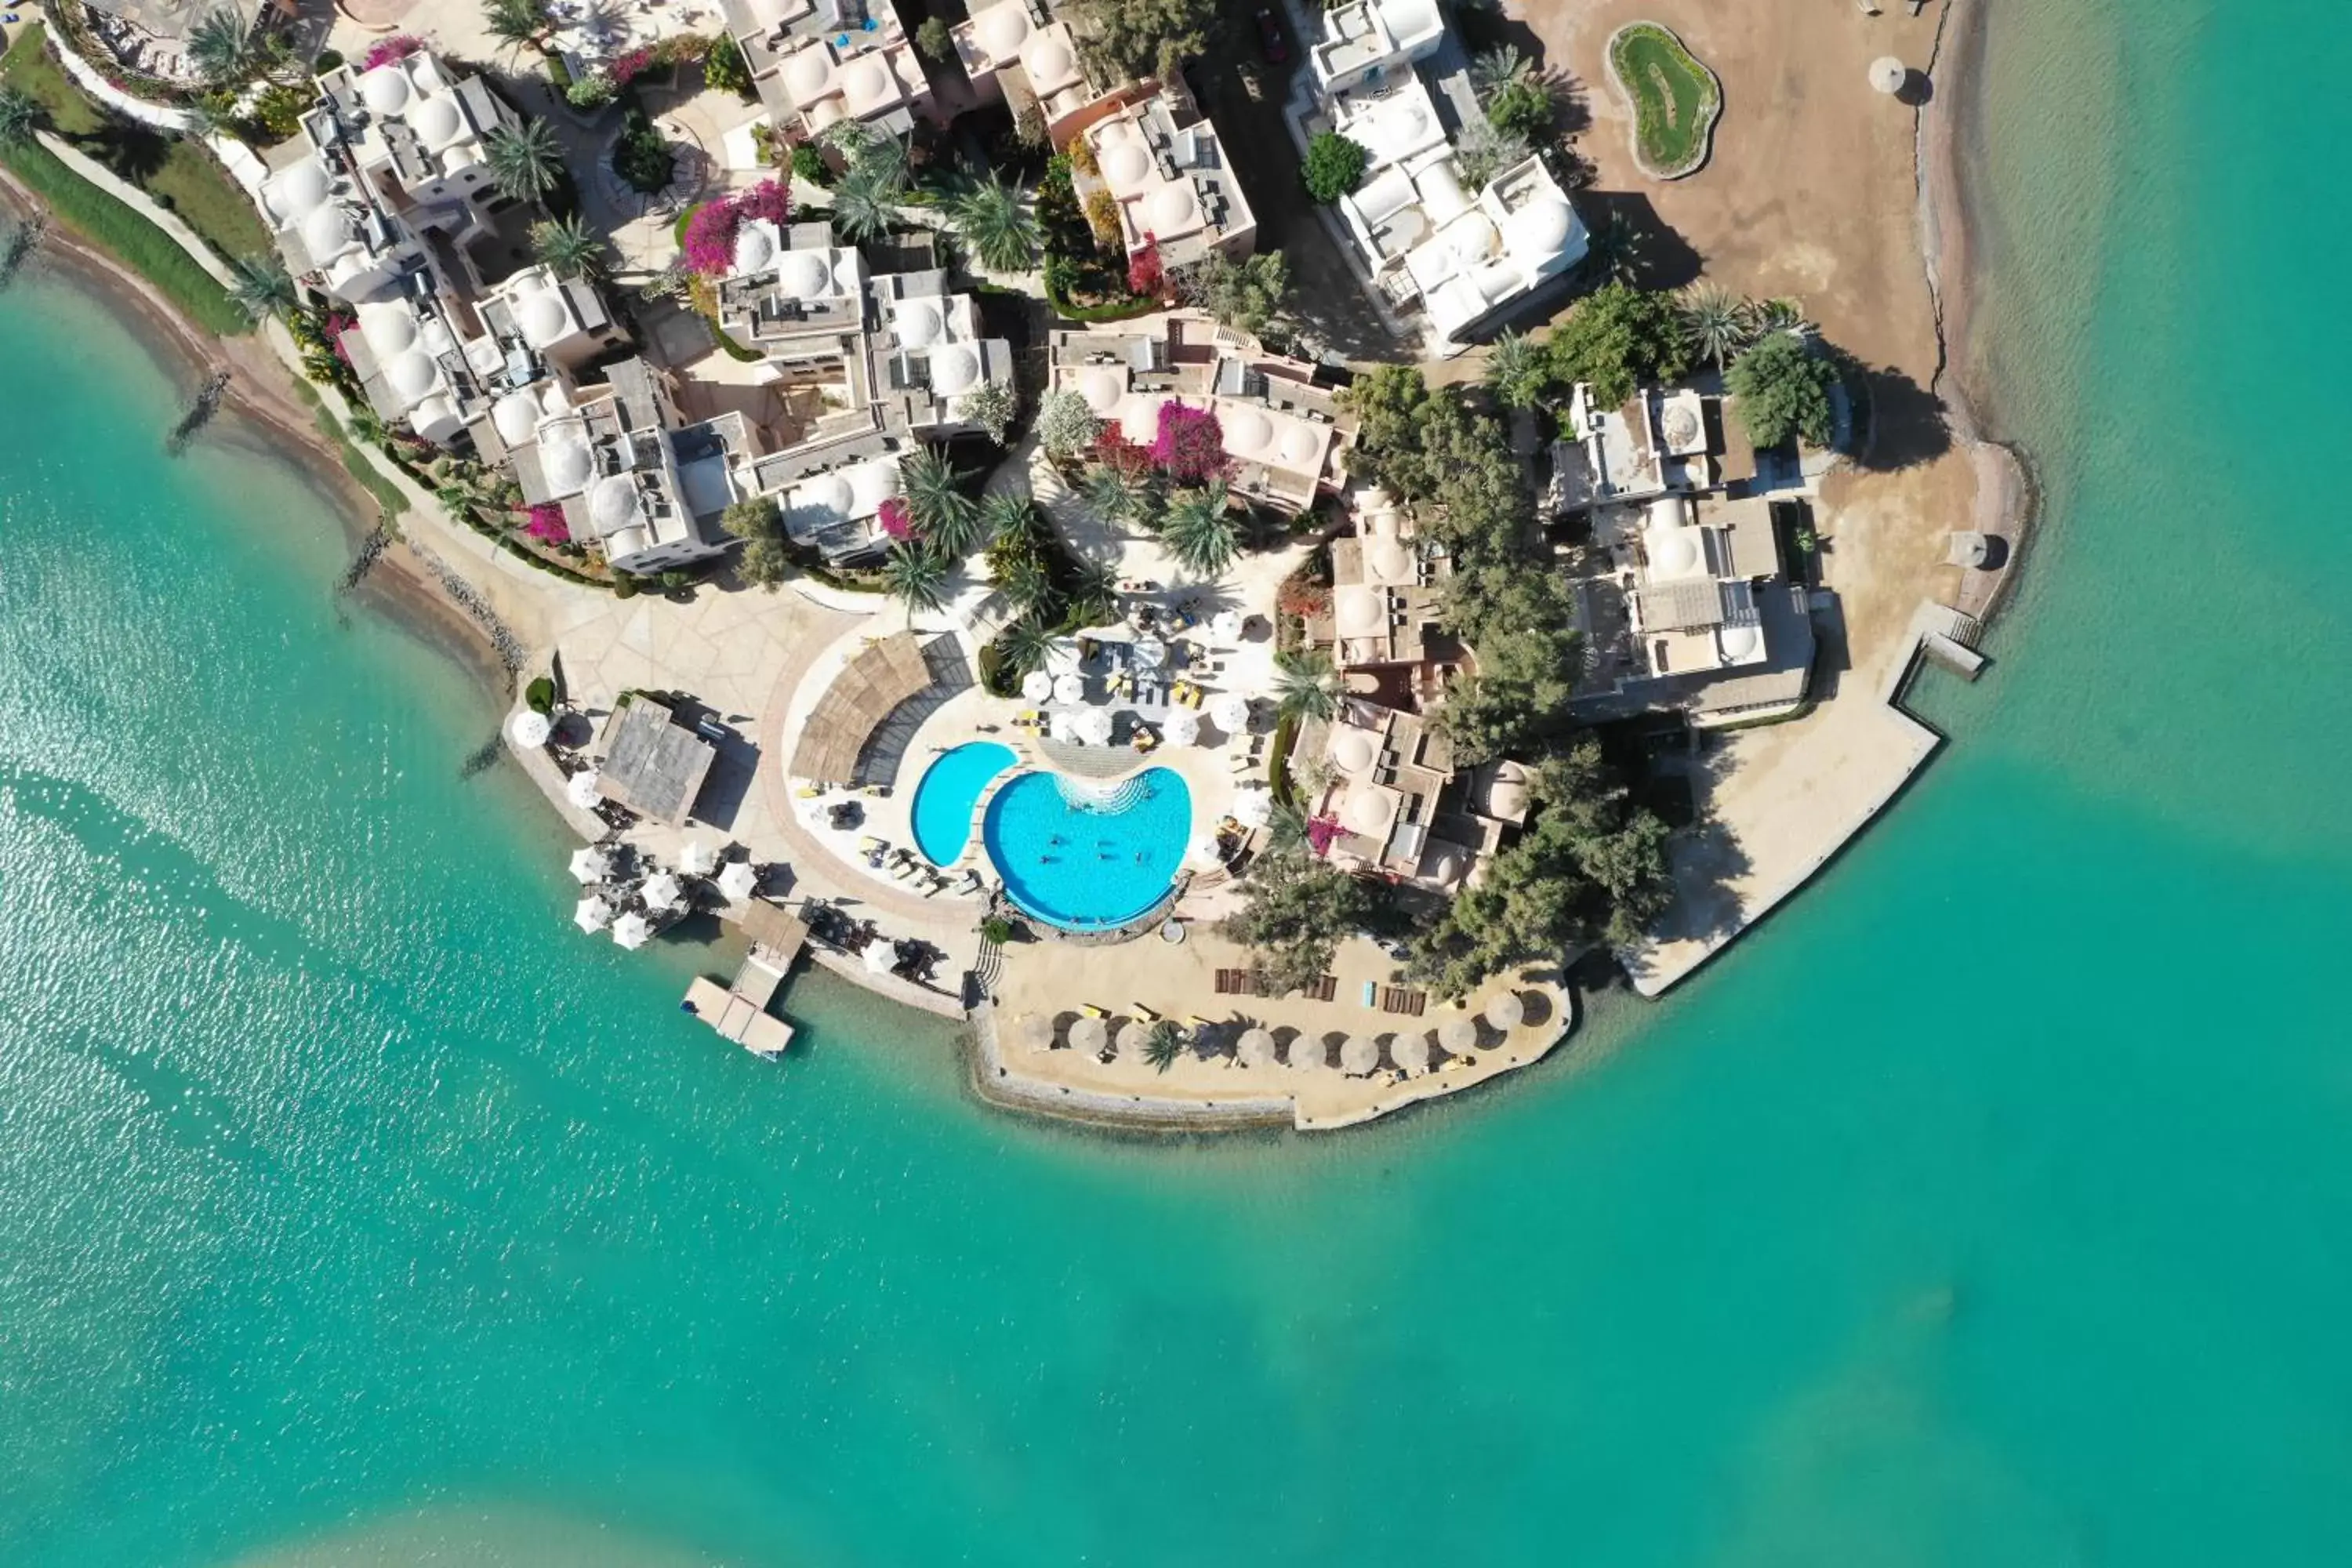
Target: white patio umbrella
(1410, 1050)
(1061, 659)
(738, 881)
(1093, 726)
(1226, 626)
(879, 956)
(1888, 74)
(1150, 653)
(580, 789)
(1507, 1011)
(1065, 728)
(1069, 687)
(1132, 1038)
(1459, 1035)
(1253, 807)
(1204, 852)
(1182, 726)
(1088, 1035)
(1036, 1031)
(530, 727)
(663, 893)
(1255, 1048)
(590, 864)
(1307, 1051)
(1359, 1054)
(592, 915)
(1230, 711)
(697, 858)
(632, 930)
(1036, 686)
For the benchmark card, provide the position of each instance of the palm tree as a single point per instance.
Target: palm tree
(1026, 644)
(1005, 515)
(568, 247)
(1286, 830)
(1164, 1043)
(865, 201)
(1615, 251)
(1517, 370)
(1494, 69)
(517, 25)
(525, 163)
(936, 503)
(1094, 592)
(264, 288)
(1307, 685)
(916, 576)
(1715, 323)
(1025, 584)
(1111, 492)
(1199, 533)
(220, 46)
(1778, 316)
(19, 113)
(1000, 230)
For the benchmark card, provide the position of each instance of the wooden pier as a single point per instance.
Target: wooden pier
(739, 1012)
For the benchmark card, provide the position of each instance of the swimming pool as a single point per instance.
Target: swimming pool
(1082, 857)
(950, 787)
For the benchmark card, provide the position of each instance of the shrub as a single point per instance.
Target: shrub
(933, 39)
(540, 695)
(1334, 166)
(809, 165)
(991, 405)
(1067, 425)
(642, 158)
(592, 91)
(1102, 217)
(709, 239)
(1144, 271)
(631, 66)
(546, 524)
(1190, 444)
(996, 929)
(1082, 157)
(280, 109)
(675, 578)
(1029, 128)
(725, 68)
(768, 200)
(384, 51)
(329, 59)
(894, 519)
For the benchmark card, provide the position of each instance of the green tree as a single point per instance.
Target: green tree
(1286, 830)
(933, 39)
(947, 518)
(1145, 37)
(220, 46)
(992, 406)
(1517, 370)
(1067, 424)
(1249, 295)
(1307, 684)
(1295, 912)
(1618, 339)
(1094, 594)
(864, 202)
(1486, 150)
(264, 288)
(1715, 323)
(20, 113)
(1767, 316)
(1514, 91)
(916, 576)
(1780, 389)
(1198, 530)
(517, 25)
(763, 562)
(725, 68)
(1333, 166)
(1163, 1043)
(1025, 584)
(993, 221)
(525, 162)
(1007, 515)
(568, 247)
(1112, 493)
(1025, 645)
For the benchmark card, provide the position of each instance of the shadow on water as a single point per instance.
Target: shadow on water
(482, 758)
(199, 414)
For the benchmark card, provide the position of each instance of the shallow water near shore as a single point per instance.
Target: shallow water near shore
(1983, 1207)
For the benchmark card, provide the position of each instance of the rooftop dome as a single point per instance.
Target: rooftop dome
(1359, 614)
(1742, 642)
(515, 417)
(568, 465)
(552, 399)
(954, 369)
(830, 492)
(918, 323)
(867, 80)
(1102, 388)
(1248, 431)
(1389, 560)
(326, 232)
(436, 419)
(541, 316)
(805, 275)
(1002, 29)
(1673, 551)
(1352, 749)
(1299, 444)
(755, 246)
(1506, 792)
(1172, 209)
(300, 190)
(412, 375)
(613, 504)
(810, 72)
(871, 484)
(1368, 810)
(1679, 425)
(388, 329)
(437, 121)
(1125, 162)
(1047, 60)
(1541, 228)
(1444, 869)
(385, 89)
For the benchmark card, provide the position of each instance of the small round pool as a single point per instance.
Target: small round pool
(949, 789)
(1084, 857)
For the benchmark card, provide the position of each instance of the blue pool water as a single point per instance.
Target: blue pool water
(950, 787)
(1081, 857)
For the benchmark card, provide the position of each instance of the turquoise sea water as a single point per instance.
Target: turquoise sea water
(1084, 856)
(1988, 1207)
(950, 787)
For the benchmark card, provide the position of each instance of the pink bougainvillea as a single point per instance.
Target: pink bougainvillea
(1190, 445)
(384, 51)
(1144, 270)
(769, 200)
(896, 519)
(1114, 450)
(546, 524)
(335, 327)
(631, 66)
(1320, 831)
(709, 239)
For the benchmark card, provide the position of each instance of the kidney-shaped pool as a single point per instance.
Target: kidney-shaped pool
(1082, 857)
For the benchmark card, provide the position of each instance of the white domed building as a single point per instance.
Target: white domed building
(1160, 160)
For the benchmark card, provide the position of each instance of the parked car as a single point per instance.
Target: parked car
(1270, 40)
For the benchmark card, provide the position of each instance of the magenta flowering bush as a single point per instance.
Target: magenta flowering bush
(1190, 445)
(1320, 832)
(631, 66)
(709, 239)
(384, 51)
(897, 521)
(769, 199)
(546, 524)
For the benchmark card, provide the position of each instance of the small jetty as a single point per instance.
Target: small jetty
(740, 1011)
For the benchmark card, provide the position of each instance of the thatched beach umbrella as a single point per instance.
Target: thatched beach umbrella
(1036, 1031)
(738, 881)
(1255, 1048)
(580, 789)
(1459, 1035)
(1410, 1050)
(1088, 1036)
(591, 915)
(1507, 1011)
(1133, 1035)
(529, 728)
(590, 864)
(1359, 1054)
(1307, 1051)
(662, 892)
(1888, 74)
(1036, 686)
(632, 930)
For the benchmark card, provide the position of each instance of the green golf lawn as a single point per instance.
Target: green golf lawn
(1674, 98)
